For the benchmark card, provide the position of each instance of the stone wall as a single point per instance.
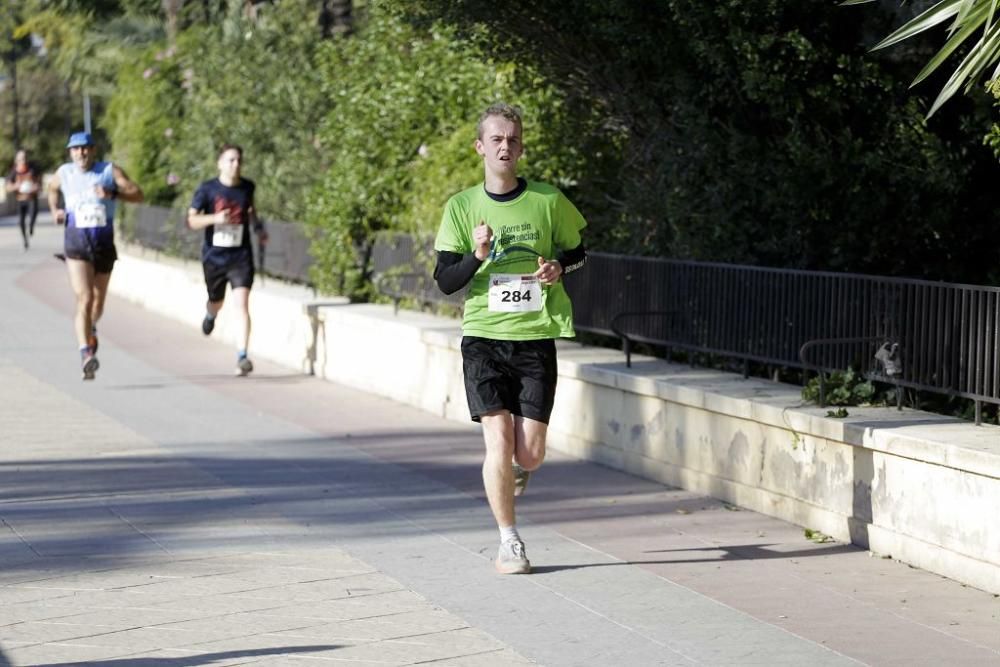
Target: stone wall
(919, 487)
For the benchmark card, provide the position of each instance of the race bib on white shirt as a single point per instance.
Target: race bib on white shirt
(91, 215)
(227, 236)
(514, 293)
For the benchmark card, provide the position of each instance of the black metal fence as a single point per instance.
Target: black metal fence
(923, 335)
(286, 254)
(161, 229)
(402, 268)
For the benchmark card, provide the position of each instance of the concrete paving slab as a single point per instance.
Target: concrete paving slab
(233, 658)
(381, 652)
(59, 654)
(394, 626)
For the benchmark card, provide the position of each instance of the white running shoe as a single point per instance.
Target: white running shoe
(511, 558)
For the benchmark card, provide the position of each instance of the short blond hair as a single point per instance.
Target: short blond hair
(502, 109)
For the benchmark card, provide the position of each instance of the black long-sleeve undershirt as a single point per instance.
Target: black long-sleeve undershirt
(572, 259)
(454, 270)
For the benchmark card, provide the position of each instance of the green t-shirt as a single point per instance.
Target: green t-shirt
(538, 223)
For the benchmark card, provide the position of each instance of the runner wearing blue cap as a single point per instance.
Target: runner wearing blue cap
(89, 191)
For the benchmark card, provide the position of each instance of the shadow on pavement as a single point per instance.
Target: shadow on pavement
(732, 553)
(112, 507)
(192, 660)
(213, 378)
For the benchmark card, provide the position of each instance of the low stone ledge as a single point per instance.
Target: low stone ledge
(921, 487)
(928, 437)
(284, 327)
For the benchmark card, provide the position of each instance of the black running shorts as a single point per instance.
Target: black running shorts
(237, 274)
(515, 375)
(102, 257)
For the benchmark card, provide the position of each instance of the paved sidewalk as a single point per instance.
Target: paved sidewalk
(171, 514)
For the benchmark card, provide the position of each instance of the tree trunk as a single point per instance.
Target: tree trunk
(13, 88)
(335, 18)
(171, 12)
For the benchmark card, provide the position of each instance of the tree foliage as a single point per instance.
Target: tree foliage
(753, 132)
(757, 132)
(400, 130)
(246, 81)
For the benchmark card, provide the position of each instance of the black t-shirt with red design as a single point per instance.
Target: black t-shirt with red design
(232, 243)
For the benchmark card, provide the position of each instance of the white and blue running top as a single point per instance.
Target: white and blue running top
(89, 218)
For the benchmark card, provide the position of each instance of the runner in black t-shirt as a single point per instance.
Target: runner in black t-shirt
(224, 208)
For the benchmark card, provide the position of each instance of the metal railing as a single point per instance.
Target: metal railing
(402, 267)
(286, 254)
(923, 335)
(917, 334)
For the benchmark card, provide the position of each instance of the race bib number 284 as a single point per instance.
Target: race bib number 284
(514, 293)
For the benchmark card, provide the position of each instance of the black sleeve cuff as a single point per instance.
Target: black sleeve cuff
(455, 270)
(571, 260)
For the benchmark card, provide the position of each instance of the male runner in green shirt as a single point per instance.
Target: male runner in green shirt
(510, 240)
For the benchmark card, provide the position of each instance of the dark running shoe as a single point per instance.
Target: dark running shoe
(92, 342)
(90, 366)
(520, 479)
(207, 325)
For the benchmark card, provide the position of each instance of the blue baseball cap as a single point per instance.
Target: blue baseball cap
(80, 139)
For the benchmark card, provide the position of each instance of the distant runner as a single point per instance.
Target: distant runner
(90, 190)
(224, 208)
(24, 181)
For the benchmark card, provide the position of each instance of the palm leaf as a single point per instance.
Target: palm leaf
(970, 68)
(953, 43)
(967, 7)
(968, 17)
(937, 14)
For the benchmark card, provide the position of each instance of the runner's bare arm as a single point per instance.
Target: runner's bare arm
(53, 196)
(126, 189)
(258, 225)
(199, 220)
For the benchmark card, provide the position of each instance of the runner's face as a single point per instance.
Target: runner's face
(230, 163)
(83, 156)
(500, 145)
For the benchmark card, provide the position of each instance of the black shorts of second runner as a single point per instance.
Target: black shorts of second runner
(515, 375)
(101, 256)
(237, 274)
